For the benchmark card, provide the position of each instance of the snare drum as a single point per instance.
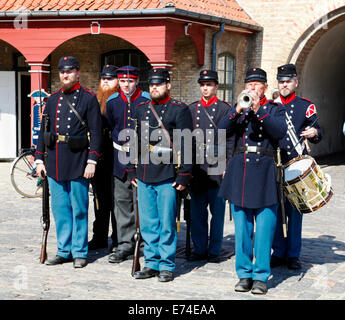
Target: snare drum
(305, 185)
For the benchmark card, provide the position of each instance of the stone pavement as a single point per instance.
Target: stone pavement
(22, 277)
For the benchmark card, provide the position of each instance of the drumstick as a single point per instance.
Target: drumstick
(301, 138)
(307, 145)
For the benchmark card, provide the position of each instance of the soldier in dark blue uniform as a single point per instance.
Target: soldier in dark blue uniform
(206, 114)
(157, 178)
(71, 160)
(121, 107)
(303, 117)
(250, 181)
(102, 182)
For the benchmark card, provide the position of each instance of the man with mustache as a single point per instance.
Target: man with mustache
(250, 181)
(158, 181)
(102, 183)
(71, 160)
(302, 113)
(120, 114)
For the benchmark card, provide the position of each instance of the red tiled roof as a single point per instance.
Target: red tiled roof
(228, 9)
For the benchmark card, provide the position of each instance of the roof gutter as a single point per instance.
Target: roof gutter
(214, 45)
(133, 12)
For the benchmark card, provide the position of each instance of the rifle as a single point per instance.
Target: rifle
(178, 205)
(186, 209)
(137, 236)
(281, 191)
(45, 219)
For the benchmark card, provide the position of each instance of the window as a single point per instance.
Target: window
(226, 77)
(133, 58)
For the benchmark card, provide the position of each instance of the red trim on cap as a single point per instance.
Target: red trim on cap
(288, 99)
(125, 75)
(207, 103)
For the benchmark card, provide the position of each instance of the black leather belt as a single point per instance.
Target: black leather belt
(255, 149)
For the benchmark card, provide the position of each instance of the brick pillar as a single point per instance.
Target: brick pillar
(161, 64)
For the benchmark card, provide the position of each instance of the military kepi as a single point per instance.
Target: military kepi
(208, 75)
(159, 75)
(286, 72)
(68, 63)
(109, 71)
(128, 72)
(255, 74)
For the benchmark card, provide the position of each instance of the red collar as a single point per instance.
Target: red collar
(288, 99)
(75, 87)
(134, 96)
(163, 101)
(263, 101)
(207, 103)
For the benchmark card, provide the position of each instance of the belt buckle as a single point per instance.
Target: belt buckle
(61, 138)
(252, 149)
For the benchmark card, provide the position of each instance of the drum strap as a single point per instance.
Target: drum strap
(257, 150)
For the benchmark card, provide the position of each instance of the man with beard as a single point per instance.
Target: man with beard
(207, 113)
(157, 181)
(302, 113)
(120, 113)
(102, 182)
(250, 181)
(73, 111)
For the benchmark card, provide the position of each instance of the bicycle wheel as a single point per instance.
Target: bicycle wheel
(23, 176)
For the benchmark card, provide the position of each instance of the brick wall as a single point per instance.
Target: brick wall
(185, 72)
(284, 22)
(88, 50)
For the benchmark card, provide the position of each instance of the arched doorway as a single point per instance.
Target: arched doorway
(322, 66)
(93, 52)
(15, 105)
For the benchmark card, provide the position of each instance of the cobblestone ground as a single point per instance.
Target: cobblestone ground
(23, 277)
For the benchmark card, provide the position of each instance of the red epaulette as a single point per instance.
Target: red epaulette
(274, 103)
(56, 92)
(177, 103)
(142, 103)
(226, 103)
(306, 99)
(89, 91)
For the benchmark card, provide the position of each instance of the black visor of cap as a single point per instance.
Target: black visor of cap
(156, 80)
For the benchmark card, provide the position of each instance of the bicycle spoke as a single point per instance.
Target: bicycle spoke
(24, 178)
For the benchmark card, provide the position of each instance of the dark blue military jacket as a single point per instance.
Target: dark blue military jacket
(62, 163)
(119, 115)
(174, 115)
(217, 110)
(250, 179)
(302, 113)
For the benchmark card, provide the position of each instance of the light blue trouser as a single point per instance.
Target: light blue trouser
(289, 247)
(157, 216)
(199, 222)
(69, 203)
(265, 219)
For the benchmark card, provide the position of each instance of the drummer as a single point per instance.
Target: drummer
(303, 115)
